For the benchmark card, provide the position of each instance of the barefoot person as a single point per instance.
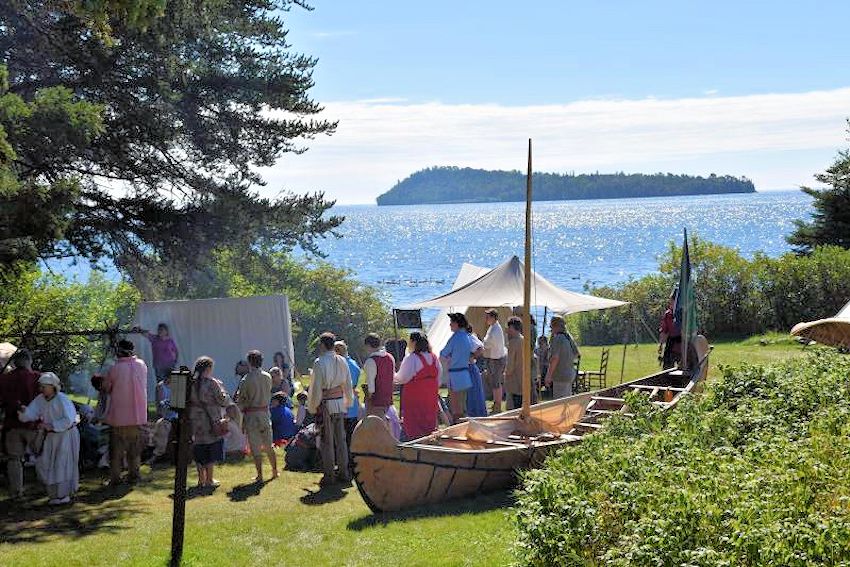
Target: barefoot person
(58, 463)
(330, 390)
(255, 393)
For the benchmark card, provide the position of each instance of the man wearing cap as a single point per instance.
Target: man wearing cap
(127, 386)
(254, 396)
(18, 388)
(495, 355)
(563, 352)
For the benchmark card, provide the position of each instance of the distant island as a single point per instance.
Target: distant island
(467, 185)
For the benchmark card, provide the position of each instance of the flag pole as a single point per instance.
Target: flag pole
(526, 299)
(684, 287)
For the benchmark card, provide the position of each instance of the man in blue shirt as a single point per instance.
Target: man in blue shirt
(353, 415)
(455, 358)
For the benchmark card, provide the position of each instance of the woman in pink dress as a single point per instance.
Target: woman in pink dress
(419, 377)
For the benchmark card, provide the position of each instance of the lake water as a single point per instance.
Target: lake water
(415, 252)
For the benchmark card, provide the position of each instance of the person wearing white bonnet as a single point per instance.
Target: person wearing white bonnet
(57, 465)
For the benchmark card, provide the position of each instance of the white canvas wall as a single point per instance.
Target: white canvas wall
(224, 329)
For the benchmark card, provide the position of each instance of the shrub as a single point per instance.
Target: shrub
(735, 296)
(754, 472)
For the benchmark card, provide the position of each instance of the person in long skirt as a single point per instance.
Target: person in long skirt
(419, 377)
(476, 402)
(58, 463)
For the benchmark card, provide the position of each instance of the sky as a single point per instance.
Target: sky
(757, 89)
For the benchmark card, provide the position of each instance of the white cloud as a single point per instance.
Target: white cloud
(775, 139)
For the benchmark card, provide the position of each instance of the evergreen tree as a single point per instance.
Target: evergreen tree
(830, 223)
(142, 124)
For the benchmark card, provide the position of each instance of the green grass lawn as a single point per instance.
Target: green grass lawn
(289, 521)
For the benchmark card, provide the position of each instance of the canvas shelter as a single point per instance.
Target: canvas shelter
(833, 331)
(502, 288)
(224, 329)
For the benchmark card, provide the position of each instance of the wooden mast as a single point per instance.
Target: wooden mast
(526, 299)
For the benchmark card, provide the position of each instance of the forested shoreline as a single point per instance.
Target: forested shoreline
(467, 185)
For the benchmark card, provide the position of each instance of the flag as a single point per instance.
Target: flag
(685, 310)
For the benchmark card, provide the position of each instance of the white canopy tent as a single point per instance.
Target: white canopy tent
(503, 287)
(224, 329)
(833, 331)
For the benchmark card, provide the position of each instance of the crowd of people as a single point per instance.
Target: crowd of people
(259, 409)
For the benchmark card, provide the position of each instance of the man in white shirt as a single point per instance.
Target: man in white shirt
(495, 357)
(330, 389)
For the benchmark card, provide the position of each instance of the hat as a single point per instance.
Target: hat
(297, 388)
(50, 379)
(492, 313)
(559, 321)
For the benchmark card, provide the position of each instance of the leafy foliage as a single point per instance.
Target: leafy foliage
(830, 224)
(191, 97)
(321, 296)
(754, 472)
(455, 185)
(735, 296)
(33, 301)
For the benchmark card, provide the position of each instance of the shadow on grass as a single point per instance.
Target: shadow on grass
(483, 503)
(325, 494)
(94, 511)
(243, 492)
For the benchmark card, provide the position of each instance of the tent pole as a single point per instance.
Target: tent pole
(526, 301)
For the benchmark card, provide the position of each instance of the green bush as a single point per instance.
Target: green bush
(34, 301)
(754, 472)
(735, 296)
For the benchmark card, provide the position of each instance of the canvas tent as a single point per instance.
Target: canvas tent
(224, 329)
(502, 287)
(834, 331)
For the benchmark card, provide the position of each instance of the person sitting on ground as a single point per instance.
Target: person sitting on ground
(18, 388)
(164, 350)
(58, 464)
(303, 418)
(513, 369)
(255, 393)
(283, 422)
(127, 386)
(455, 360)
(330, 391)
(419, 377)
(206, 413)
(563, 352)
(280, 385)
(166, 417)
(353, 415)
(379, 369)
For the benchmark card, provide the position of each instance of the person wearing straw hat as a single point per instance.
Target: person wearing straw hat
(58, 464)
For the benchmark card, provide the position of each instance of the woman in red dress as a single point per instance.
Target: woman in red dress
(419, 376)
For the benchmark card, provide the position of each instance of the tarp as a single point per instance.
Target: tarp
(224, 329)
(6, 352)
(439, 332)
(503, 286)
(834, 331)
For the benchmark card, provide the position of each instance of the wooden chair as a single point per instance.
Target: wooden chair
(592, 379)
(580, 385)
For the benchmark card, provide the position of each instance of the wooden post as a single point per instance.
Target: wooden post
(178, 521)
(526, 299)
